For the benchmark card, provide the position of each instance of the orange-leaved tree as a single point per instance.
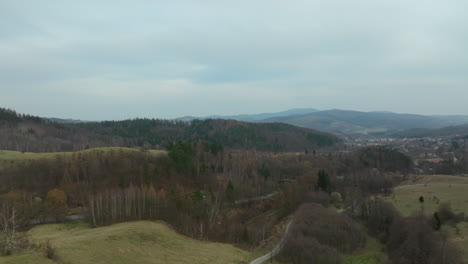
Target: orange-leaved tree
(56, 203)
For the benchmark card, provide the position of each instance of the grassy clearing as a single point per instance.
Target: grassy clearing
(28, 257)
(8, 157)
(133, 242)
(436, 189)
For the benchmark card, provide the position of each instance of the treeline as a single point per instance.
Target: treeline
(382, 158)
(8, 115)
(193, 164)
(193, 187)
(34, 134)
(28, 133)
(232, 134)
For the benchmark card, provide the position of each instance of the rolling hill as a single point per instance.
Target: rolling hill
(355, 122)
(230, 133)
(133, 242)
(255, 117)
(34, 134)
(450, 131)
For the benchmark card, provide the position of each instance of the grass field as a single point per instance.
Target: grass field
(8, 157)
(436, 189)
(28, 257)
(133, 242)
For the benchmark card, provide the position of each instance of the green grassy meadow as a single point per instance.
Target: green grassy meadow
(132, 242)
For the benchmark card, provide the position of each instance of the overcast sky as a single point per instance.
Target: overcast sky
(98, 60)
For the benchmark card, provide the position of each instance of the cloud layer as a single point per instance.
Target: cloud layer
(121, 59)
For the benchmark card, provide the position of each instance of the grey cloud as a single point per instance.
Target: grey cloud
(322, 54)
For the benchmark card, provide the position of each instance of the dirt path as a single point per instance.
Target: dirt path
(275, 250)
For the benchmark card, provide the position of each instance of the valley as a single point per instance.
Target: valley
(233, 132)
(208, 190)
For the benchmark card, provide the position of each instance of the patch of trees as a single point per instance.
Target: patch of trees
(410, 240)
(384, 159)
(196, 184)
(447, 166)
(83, 173)
(320, 235)
(8, 115)
(374, 170)
(445, 215)
(372, 181)
(11, 222)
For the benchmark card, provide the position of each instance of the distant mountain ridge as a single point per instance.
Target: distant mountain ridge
(254, 117)
(450, 131)
(65, 121)
(354, 122)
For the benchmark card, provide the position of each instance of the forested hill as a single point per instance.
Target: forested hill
(355, 122)
(230, 133)
(451, 131)
(34, 134)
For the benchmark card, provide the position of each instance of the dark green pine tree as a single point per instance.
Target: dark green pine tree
(436, 223)
(323, 182)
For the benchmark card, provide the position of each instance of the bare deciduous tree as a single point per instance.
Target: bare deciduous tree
(10, 222)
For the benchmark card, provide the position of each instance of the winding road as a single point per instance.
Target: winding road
(275, 250)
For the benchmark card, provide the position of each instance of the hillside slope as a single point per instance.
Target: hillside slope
(133, 242)
(354, 122)
(230, 133)
(254, 117)
(34, 134)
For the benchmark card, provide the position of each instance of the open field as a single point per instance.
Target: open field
(28, 257)
(436, 189)
(8, 157)
(133, 242)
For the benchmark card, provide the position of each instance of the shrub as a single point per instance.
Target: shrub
(318, 235)
(447, 215)
(336, 198)
(56, 202)
(48, 250)
(302, 249)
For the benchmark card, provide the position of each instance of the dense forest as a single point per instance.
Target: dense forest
(192, 186)
(33, 134)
